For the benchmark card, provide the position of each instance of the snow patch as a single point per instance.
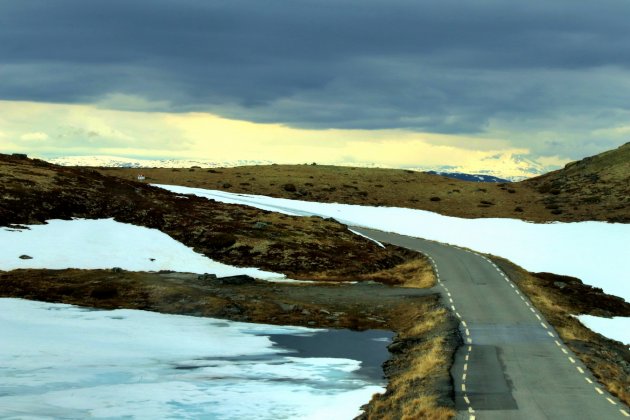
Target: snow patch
(106, 243)
(595, 252)
(617, 328)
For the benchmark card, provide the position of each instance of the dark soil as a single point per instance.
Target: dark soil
(33, 191)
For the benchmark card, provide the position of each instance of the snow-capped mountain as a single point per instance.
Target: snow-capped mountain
(510, 166)
(494, 168)
(122, 162)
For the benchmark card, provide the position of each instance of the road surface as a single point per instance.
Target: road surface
(512, 365)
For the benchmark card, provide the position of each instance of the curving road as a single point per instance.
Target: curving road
(512, 365)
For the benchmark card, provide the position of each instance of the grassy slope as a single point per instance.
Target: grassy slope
(34, 191)
(596, 188)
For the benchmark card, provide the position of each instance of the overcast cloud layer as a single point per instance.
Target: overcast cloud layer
(550, 76)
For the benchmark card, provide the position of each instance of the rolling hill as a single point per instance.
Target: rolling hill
(596, 188)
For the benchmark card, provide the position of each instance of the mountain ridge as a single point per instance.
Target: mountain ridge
(504, 167)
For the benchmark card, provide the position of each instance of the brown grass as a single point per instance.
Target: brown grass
(415, 273)
(404, 401)
(33, 191)
(593, 189)
(424, 362)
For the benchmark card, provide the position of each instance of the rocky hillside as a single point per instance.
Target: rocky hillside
(33, 191)
(594, 188)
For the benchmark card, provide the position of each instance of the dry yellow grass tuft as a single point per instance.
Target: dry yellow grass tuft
(415, 273)
(420, 363)
(408, 394)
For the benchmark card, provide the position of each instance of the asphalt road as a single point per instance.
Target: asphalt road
(512, 365)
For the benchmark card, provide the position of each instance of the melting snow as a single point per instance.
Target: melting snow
(62, 361)
(105, 243)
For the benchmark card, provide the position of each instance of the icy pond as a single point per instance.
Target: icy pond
(63, 361)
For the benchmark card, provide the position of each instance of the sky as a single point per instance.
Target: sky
(396, 82)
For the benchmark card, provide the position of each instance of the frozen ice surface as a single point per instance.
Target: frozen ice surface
(106, 243)
(63, 361)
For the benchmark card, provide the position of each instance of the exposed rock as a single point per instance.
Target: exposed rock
(286, 307)
(236, 280)
(289, 187)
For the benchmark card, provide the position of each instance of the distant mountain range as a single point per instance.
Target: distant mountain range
(501, 167)
(122, 162)
(470, 177)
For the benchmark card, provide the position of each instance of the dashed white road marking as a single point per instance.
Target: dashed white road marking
(469, 340)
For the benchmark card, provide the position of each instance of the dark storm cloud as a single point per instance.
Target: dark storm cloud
(442, 66)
